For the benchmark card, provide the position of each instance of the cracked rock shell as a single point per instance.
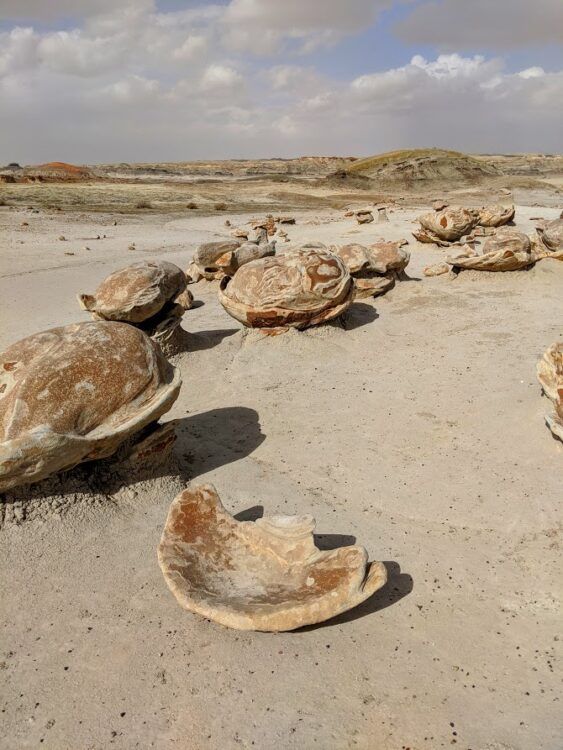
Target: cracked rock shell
(300, 289)
(445, 226)
(507, 250)
(76, 393)
(265, 575)
(135, 293)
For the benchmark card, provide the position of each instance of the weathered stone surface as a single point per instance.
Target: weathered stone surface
(445, 226)
(230, 262)
(550, 370)
(551, 236)
(204, 266)
(496, 215)
(300, 289)
(374, 268)
(135, 293)
(364, 217)
(373, 286)
(76, 393)
(550, 376)
(266, 575)
(436, 270)
(507, 250)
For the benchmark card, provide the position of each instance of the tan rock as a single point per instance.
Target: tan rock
(445, 226)
(364, 217)
(507, 250)
(300, 289)
(373, 286)
(550, 370)
(230, 262)
(436, 270)
(76, 393)
(266, 575)
(135, 293)
(496, 216)
(551, 236)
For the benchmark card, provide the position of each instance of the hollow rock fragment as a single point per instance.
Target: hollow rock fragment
(76, 393)
(266, 575)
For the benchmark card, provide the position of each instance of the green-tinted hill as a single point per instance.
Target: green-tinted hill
(424, 165)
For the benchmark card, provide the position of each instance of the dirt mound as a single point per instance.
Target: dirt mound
(411, 168)
(60, 171)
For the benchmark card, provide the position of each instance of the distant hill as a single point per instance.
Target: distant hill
(423, 165)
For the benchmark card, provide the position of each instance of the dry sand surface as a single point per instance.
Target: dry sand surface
(416, 427)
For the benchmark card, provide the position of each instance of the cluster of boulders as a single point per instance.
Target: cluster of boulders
(550, 375)
(505, 249)
(374, 268)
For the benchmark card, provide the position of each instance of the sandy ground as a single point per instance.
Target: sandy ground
(416, 427)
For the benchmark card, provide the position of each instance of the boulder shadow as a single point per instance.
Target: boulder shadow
(359, 314)
(217, 437)
(397, 587)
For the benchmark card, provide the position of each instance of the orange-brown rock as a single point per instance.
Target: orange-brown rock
(300, 289)
(76, 393)
(265, 575)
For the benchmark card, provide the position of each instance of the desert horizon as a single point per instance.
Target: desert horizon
(281, 413)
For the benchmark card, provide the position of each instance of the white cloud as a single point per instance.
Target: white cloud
(264, 26)
(220, 77)
(136, 83)
(474, 24)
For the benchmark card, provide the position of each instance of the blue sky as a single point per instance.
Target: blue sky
(260, 77)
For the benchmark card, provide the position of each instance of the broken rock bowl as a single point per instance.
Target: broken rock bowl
(265, 575)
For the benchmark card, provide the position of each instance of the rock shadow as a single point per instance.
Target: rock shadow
(217, 437)
(397, 587)
(359, 314)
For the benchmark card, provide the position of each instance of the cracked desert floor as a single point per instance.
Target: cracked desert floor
(415, 426)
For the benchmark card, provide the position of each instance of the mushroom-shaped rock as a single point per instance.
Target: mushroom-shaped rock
(300, 289)
(551, 236)
(550, 370)
(265, 575)
(76, 393)
(507, 250)
(135, 293)
(445, 226)
(496, 215)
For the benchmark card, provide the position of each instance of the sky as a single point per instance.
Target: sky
(94, 81)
